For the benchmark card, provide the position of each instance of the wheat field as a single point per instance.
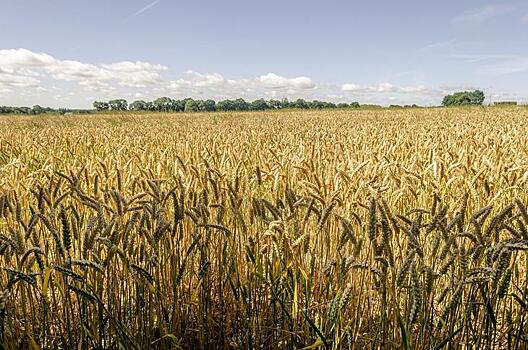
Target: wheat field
(291, 229)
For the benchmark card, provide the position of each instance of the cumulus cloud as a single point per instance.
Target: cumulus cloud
(22, 58)
(351, 87)
(386, 87)
(382, 88)
(217, 86)
(275, 81)
(8, 81)
(193, 78)
(24, 63)
(414, 89)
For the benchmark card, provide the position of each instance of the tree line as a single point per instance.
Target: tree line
(41, 110)
(167, 104)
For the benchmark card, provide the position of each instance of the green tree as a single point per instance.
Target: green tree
(191, 106)
(207, 105)
(118, 105)
(464, 98)
(300, 103)
(274, 104)
(101, 106)
(285, 103)
(224, 105)
(163, 104)
(138, 105)
(38, 109)
(241, 105)
(259, 105)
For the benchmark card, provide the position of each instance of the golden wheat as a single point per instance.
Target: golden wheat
(337, 229)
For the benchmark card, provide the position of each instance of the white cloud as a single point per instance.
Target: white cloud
(274, 81)
(483, 14)
(382, 88)
(22, 58)
(386, 87)
(217, 86)
(74, 71)
(203, 80)
(25, 63)
(414, 89)
(351, 87)
(135, 74)
(9, 81)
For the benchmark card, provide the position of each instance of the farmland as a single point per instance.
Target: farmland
(283, 229)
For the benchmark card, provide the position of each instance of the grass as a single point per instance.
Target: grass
(297, 229)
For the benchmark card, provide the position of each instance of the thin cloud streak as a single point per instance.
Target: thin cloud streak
(483, 14)
(140, 11)
(438, 45)
(475, 58)
(515, 65)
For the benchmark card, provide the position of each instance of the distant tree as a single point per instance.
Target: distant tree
(274, 104)
(285, 103)
(259, 105)
(355, 105)
(343, 105)
(138, 105)
(118, 105)
(300, 103)
(369, 106)
(191, 106)
(241, 105)
(224, 105)
(464, 98)
(37, 109)
(101, 106)
(233, 105)
(178, 105)
(207, 105)
(22, 110)
(315, 104)
(163, 104)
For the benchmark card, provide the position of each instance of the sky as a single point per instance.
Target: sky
(68, 53)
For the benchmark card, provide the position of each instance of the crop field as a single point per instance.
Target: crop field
(339, 229)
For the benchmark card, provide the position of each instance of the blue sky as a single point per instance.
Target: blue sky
(71, 52)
